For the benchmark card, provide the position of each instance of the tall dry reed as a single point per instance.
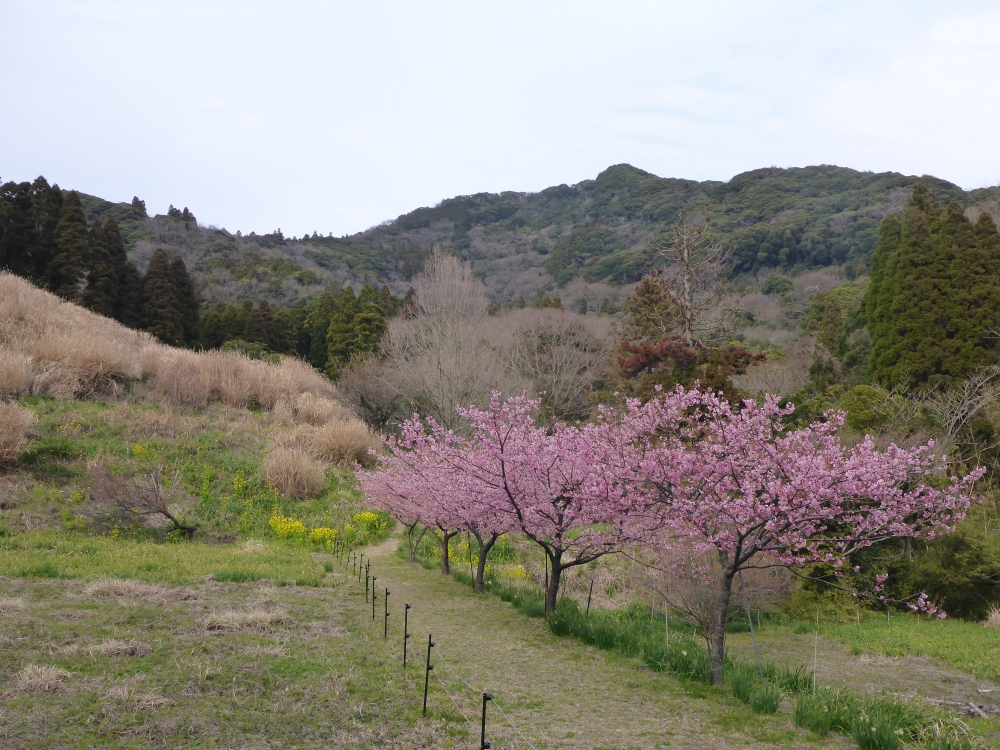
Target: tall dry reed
(50, 346)
(294, 474)
(14, 425)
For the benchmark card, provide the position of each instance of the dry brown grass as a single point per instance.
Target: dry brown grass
(317, 410)
(17, 372)
(41, 677)
(14, 425)
(345, 441)
(54, 347)
(255, 620)
(124, 589)
(140, 702)
(113, 647)
(294, 474)
(11, 603)
(993, 618)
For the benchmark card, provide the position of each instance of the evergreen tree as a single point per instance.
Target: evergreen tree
(187, 300)
(317, 324)
(129, 309)
(128, 295)
(356, 327)
(259, 321)
(340, 333)
(934, 295)
(101, 292)
(160, 313)
(66, 269)
(44, 214)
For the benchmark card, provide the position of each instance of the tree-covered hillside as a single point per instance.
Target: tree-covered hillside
(584, 240)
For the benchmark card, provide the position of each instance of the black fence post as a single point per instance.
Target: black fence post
(385, 630)
(427, 673)
(483, 744)
(361, 568)
(374, 597)
(356, 564)
(406, 630)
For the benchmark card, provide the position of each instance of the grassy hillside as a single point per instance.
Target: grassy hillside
(585, 239)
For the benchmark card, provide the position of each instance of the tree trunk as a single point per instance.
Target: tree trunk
(552, 589)
(718, 646)
(413, 546)
(484, 550)
(445, 544)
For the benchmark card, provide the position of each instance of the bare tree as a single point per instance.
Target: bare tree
(144, 499)
(442, 357)
(563, 354)
(693, 279)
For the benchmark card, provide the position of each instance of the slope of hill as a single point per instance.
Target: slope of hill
(591, 237)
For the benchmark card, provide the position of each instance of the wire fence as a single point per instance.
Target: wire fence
(355, 570)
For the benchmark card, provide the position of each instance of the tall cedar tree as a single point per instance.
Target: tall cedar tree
(66, 269)
(101, 292)
(161, 315)
(187, 300)
(128, 296)
(29, 214)
(356, 327)
(934, 297)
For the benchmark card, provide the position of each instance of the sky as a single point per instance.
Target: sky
(335, 116)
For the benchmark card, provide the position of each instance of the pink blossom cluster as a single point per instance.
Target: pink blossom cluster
(686, 471)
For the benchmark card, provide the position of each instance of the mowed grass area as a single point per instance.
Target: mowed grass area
(210, 665)
(54, 554)
(967, 646)
(184, 662)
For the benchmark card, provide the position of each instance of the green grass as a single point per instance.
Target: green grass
(963, 645)
(55, 554)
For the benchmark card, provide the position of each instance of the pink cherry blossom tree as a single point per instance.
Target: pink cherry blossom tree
(735, 483)
(539, 480)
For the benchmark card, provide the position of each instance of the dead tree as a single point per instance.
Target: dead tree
(136, 498)
(693, 280)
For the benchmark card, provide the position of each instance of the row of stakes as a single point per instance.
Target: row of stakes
(344, 556)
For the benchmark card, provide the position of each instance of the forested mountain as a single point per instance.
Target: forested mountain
(584, 240)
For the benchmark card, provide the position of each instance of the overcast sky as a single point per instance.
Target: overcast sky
(335, 116)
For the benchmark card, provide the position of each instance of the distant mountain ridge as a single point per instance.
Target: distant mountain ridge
(587, 239)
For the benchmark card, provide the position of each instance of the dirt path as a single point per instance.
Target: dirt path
(559, 693)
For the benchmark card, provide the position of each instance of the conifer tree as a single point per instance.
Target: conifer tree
(66, 269)
(186, 299)
(340, 334)
(934, 295)
(44, 214)
(101, 292)
(128, 295)
(160, 314)
(356, 327)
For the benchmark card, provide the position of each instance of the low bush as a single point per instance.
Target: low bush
(294, 474)
(14, 425)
